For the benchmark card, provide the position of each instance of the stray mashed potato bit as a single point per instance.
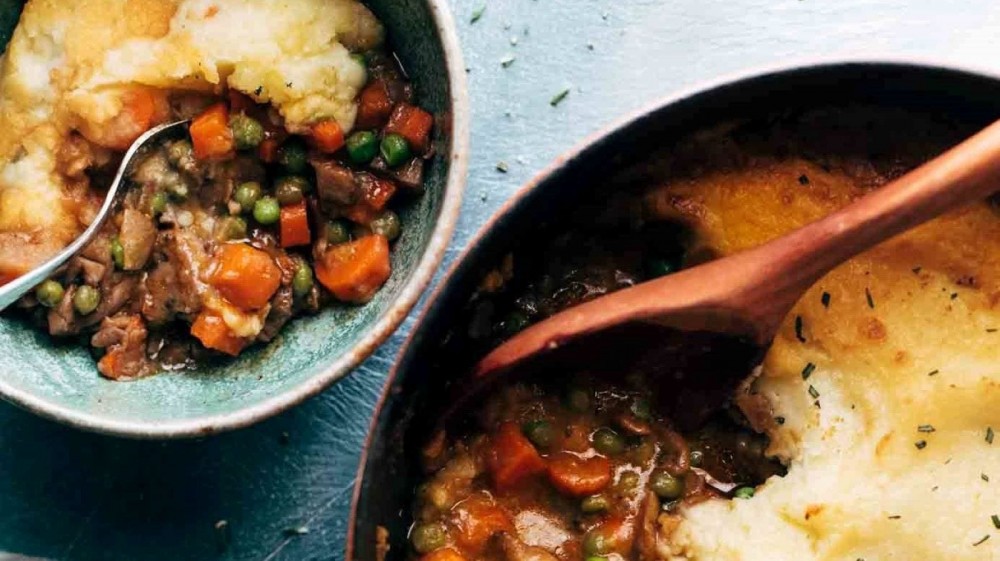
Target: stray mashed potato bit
(105, 68)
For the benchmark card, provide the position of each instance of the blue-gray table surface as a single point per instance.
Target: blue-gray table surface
(284, 486)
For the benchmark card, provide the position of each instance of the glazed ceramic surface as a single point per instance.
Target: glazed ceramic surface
(60, 380)
(425, 379)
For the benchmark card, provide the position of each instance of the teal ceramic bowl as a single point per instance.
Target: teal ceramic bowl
(61, 382)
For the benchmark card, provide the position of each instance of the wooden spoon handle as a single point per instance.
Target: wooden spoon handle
(788, 266)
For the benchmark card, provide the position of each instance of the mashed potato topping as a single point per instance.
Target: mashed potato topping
(106, 67)
(889, 437)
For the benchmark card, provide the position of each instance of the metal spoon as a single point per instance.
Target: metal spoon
(12, 291)
(748, 295)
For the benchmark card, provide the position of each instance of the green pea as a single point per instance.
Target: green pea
(597, 558)
(395, 150)
(290, 190)
(578, 400)
(628, 481)
(658, 267)
(247, 132)
(743, 493)
(294, 156)
(337, 232)
(515, 323)
(302, 282)
(118, 253)
(595, 503)
(644, 452)
(539, 432)
(697, 457)
(234, 228)
(641, 409)
(595, 543)
(49, 293)
(247, 194)
(267, 211)
(607, 442)
(86, 299)
(428, 537)
(386, 224)
(158, 203)
(360, 59)
(666, 486)
(362, 147)
(180, 151)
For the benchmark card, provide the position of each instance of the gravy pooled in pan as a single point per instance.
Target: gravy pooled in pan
(866, 433)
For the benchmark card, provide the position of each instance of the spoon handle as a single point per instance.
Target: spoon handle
(12, 291)
(786, 267)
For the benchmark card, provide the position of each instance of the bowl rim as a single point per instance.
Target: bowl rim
(384, 327)
(592, 141)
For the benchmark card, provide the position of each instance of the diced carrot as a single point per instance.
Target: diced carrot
(210, 134)
(110, 364)
(374, 106)
(513, 458)
(245, 276)
(375, 195)
(443, 554)
(269, 151)
(213, 333)
(477, 519)
(295, 225)
(327, 136)
(578, 476)
(240, 102)
(355, 271)
(412, 123)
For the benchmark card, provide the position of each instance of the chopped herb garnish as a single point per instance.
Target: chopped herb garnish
(779, 420)
(813, 392)
(895, 517)
(477, 14)
(558, 98)
(982, 541)
(825, 299)
(984, 477)
(989, 435)
(916, 270)
(996, 521)
(507, 61)
(502, 167)
(954, 295)
(868, 296)
(933, 372)
(926, 428)
(798, 329)
(920, 444)
(808, 370)
(991, 329)
(803, 179)
(259, 90)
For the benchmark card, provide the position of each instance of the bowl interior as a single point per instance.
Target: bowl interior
(61, 380)
(418, 390)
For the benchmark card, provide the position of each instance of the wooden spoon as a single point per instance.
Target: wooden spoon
(748, 295)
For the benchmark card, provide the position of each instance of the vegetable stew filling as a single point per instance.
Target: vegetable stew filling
(226, 235)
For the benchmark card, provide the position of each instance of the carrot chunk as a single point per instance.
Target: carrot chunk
(327, 136)
(245, 276)
(355, 271)
(443, 554)
(477, 519)
(295, 225)
(374, 106)
(513, 458)
(578, 476)
(213, 333)
(210, 134)
(412, 123)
